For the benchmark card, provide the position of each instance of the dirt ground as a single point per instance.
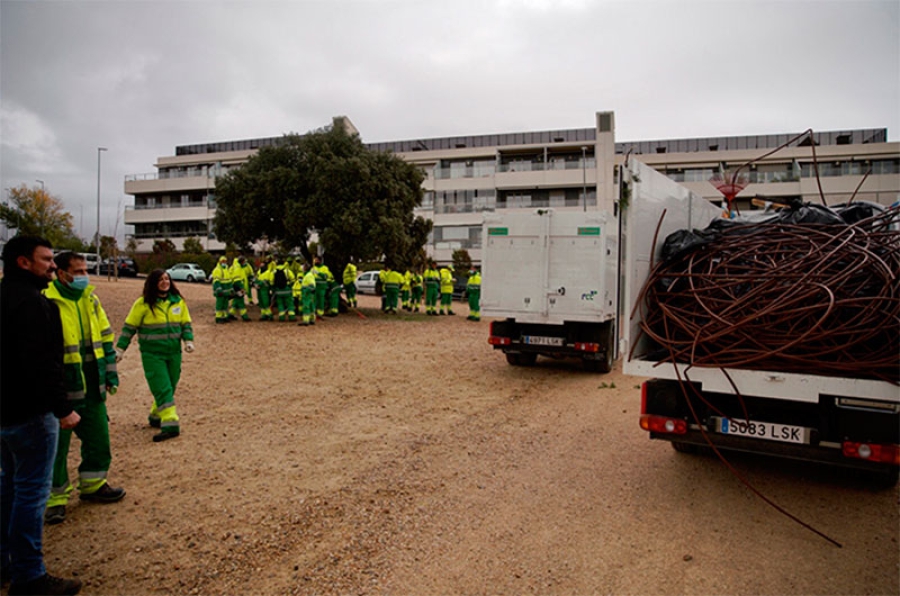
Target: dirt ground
(381, 454)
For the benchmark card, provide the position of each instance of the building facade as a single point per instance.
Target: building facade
(571, 169)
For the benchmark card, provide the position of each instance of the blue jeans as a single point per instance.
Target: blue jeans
(26, 469)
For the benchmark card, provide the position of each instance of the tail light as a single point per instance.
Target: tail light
(497, 340)
(662, 424)
(587, 347)
(882, 453)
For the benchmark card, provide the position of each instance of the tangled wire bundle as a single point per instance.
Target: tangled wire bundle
(802, 298)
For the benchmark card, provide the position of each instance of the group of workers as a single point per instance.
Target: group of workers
(285, 286)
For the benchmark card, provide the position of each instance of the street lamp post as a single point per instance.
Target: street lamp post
(584, 178)
(99, 149)
(41, 221)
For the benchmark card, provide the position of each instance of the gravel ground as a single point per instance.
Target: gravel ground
(381, 454)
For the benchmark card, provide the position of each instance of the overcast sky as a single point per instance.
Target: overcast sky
(142, 77)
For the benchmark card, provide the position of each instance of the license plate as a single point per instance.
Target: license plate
(537, 340)
(764, 430)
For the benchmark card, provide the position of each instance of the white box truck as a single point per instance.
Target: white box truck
(840, 420)
(551, 277)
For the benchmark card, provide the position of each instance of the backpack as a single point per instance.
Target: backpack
(280, 279)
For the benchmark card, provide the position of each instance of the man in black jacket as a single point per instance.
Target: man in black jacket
(32, 398)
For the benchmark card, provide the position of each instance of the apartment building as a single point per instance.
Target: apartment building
(570, 169)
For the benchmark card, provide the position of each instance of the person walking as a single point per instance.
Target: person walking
(473, 292)
(161, 320)
(32, 398)
(90, 365)
(447, 279)
(432, 279)
(223, 287)
(349, 279)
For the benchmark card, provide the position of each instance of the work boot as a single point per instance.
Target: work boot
(106, 494)
(450, 312)
(154, 422)
(165, 436)
(47, 584)
(55, 515)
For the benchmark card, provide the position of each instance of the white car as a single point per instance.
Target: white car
(189, 272)
(365, 282)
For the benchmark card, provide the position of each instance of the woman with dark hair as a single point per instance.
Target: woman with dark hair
(161, 321)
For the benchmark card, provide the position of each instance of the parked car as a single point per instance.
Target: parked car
(459, 288)
(126, 267)
(189, 272)
(365, 282)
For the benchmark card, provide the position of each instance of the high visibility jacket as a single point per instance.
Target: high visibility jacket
(249, 274)
(306, 283)
(323, 274)
(265, 276)
(393, 279)
(222, 279)
(432, 277)
(349, 274)
(160, 329)
(238, 274)
(87, 339)
(415, 280)
(474, 282)
(446, 281)
(296, 268)
(407, 277)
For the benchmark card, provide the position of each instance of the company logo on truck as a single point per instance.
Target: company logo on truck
(589, 295)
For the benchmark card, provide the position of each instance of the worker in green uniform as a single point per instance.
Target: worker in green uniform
(161, 320)
(323, 278)
(263, 282)
(404, 290)
(392, 282)
(432, 280)
(447, 279)
(239, 285)
(349, 279)
(415, 290)
(249, 278)
(282, 280)
(473, 292)
(223, 287)
(306, 286)
(90, 365)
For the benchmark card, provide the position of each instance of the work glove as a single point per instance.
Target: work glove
(188, 346)
(120, 353)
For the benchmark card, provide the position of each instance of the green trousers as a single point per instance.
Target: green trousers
(321, 292)
(391, 291)
(432, 291)
(350, 291)
(308, 298)
(284, 303)
(474, 307)
(416, 298)
(162, 374)
(93, 431)
(447, 300)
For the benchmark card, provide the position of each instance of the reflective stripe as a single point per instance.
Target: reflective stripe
(92, 475)
(160, 326)
(168, 404)
(169, 424)
(61, 490)
(156, 336)
(107, 331)
(111, 366)
(75, 395)
(71, 349)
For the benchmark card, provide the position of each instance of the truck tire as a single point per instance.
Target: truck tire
(521, 359)
(684, 447)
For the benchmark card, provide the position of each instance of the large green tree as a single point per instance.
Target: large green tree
(360, 202)
(35, 212)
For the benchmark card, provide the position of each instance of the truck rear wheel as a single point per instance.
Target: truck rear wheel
(521, 359)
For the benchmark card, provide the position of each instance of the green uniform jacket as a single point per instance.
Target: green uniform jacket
(160, 329)
(87, 338)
